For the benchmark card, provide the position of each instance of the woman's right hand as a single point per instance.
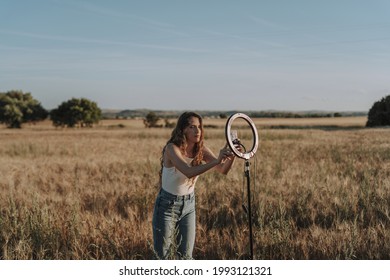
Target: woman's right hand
(224, 153)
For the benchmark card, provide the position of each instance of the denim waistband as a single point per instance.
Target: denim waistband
(168, 195)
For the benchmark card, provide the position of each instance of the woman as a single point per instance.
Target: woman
(184, 157)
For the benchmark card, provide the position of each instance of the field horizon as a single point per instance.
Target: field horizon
(353, 122)
(141, 113)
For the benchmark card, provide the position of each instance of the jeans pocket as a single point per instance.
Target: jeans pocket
(166, 206)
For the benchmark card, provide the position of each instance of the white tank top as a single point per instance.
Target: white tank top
(175, 182)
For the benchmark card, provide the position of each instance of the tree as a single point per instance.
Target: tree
(17, 108)
(151, 120)
(169, 124)
(379, 114)
(76, 112)
(337, 115)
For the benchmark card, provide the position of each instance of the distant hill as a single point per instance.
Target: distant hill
(141, 113)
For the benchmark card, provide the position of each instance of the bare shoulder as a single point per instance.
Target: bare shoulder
(171, 148)
(173, 151)
(169, 151)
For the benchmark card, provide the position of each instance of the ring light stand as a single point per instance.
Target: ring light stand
(234, 143)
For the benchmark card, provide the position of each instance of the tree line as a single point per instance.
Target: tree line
(17, 108)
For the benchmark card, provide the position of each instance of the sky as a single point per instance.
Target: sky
(290, 55)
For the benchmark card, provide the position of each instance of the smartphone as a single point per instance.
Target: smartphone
(234, 137)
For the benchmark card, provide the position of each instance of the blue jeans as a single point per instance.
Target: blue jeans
(174, 225)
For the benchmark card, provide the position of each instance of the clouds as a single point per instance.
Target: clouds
(271, 57)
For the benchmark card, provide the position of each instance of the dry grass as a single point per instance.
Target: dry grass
(303, 122)
(89, 194)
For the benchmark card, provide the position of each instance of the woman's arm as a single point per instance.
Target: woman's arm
(175, 156)
(225, 165)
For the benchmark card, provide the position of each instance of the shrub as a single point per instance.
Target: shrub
(151, 120)
(76, 112)
(379, 114)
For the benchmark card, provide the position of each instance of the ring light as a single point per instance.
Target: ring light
(232, 142)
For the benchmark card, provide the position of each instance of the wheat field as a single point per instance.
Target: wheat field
(321, 190)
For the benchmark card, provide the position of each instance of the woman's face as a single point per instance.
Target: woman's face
(193, 131)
